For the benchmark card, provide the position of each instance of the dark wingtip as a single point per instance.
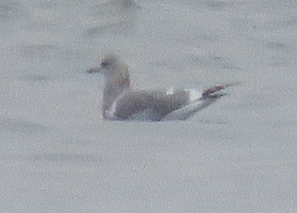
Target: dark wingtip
(216, 91)
(211, 91)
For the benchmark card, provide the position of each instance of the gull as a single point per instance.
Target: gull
(121, 102)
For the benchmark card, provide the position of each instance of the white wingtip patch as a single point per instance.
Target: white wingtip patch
(194, 94)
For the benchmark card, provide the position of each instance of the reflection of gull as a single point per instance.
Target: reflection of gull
(122, 103)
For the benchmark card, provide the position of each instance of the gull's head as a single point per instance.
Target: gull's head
(111, 65)
(115, 71)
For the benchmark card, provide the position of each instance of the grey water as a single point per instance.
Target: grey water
(58, 154)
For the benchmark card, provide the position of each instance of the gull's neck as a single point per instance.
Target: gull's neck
(117, 81)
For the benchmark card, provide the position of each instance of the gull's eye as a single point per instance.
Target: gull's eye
(103, 64)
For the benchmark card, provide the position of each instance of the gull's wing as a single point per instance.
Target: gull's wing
(154, 104)
(164, 105)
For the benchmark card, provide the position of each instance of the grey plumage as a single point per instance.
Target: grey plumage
(122, 103)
